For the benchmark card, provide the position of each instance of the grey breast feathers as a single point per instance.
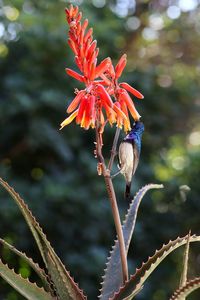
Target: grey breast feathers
(126, 160)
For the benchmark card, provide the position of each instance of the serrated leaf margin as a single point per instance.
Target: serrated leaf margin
(26, 288)
(138, 279)
(65, 286)
(113, 278)
(189, 287)
(39, 271)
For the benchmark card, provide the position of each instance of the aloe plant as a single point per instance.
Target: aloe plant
(57, 282)
(103, 101)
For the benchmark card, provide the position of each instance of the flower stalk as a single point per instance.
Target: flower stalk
(113, 202)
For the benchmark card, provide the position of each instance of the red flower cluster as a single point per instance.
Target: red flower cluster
(103, 99)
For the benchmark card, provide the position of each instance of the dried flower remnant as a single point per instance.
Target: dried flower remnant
(103, 99)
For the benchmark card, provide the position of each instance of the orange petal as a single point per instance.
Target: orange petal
(104, 95)
(85, 67)
(102, 67)
(130, 89)
(83, 120)
(75, 75)
(78, 30)
(79, 17)
(124, 108)
(75, 11)
(67, 12)
(117, 109)
(125, 96)
(69, 119)
(85, 24)
(106, 80)
(120, 119)
(81, 110)
(72, 46)
(88, 34)
(73, 105)
(71, 8)
(87, 116)
(120, 66)
(102, 119)
(93, 109)
(91, 49)
(78, 63)
(92, 70)
(110, 113)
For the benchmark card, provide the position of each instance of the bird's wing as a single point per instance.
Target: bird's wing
(136, 155)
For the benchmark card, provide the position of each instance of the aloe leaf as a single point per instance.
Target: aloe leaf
(189, 287)
(136, 282)
(29, 290)
(66, 288)
(113, 274)
(185, 262)
(39, 271)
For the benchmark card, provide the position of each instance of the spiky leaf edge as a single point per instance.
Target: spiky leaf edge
(183, 279)
(189, 287)
(26, 288)
(133, 286)
(64, 284)
(39, 271)
(113, 278)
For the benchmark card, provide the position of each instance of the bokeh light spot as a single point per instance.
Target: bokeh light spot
(156, 22)
(3, 50)
(99, 3)
(149, 34)
(2, 30)
(194, 138)
(187, 5)
(164, 81)
(173, 12)
(133, 23)
(37, 173)
(179, 163)
(162, 208)
(11, 13)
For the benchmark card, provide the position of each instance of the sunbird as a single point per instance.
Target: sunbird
(129, 154)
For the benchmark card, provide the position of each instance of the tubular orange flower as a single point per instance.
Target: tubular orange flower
(124, 97)
(75, 75)
(103, 66)
(104, 95)
(81, 110)
(103, 99)
(73, 105)
(120, 66)
(130, 89)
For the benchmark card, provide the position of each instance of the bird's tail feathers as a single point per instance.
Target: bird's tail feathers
(128, 191)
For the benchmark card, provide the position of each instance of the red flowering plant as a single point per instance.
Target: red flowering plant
(103, 101)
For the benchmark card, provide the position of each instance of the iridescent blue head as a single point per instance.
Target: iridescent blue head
(135, 135)
(138, 127)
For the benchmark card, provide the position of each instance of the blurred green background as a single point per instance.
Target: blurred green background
(55, 171)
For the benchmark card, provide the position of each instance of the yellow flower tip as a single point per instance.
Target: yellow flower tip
(68, 120)
(137, 118)
(119, 126)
